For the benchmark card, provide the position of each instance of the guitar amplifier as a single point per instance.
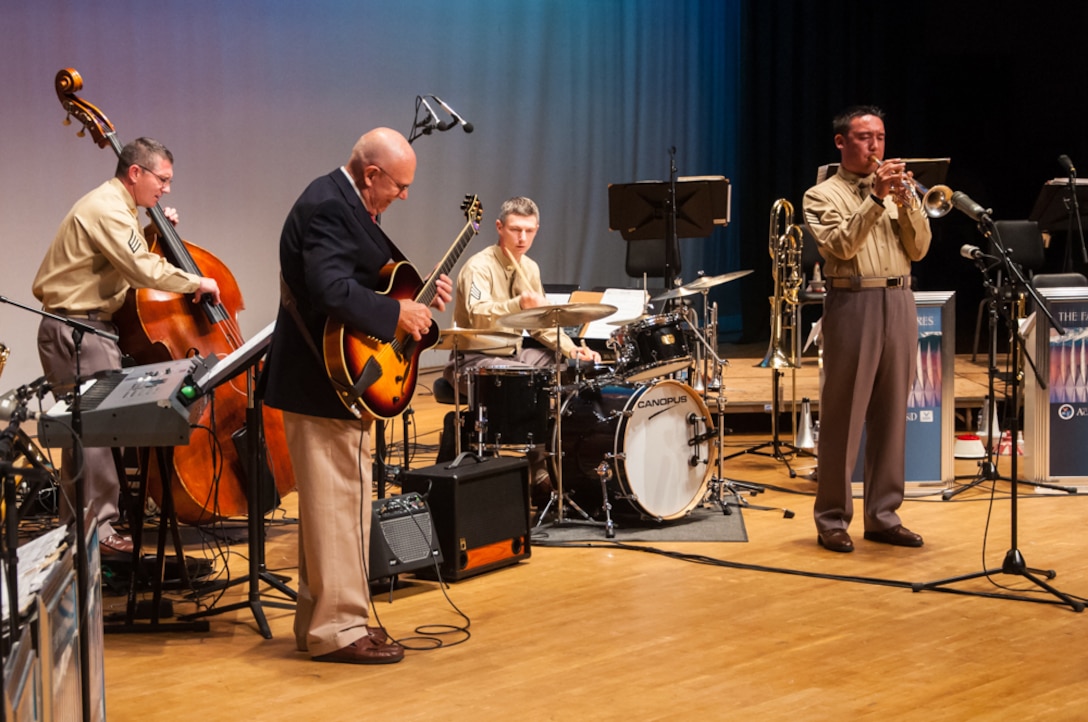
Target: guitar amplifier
(481, 512)
(402, 537)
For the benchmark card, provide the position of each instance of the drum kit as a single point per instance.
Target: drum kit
(634, 433)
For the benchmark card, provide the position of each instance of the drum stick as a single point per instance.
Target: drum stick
(517, 266)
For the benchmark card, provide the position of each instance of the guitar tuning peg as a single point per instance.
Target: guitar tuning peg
(67, 120)
(82, 133)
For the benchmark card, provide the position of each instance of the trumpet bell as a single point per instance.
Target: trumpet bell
(937, 201)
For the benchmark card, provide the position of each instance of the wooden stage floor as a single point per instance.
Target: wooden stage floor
(771, 629)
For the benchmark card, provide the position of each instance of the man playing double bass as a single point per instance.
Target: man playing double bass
(98, 254)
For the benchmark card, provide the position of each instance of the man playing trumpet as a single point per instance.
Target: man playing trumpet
(868, 227)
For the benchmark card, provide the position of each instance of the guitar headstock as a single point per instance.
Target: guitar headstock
(474, 210)
(68, 83)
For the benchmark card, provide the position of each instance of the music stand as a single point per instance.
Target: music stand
(1057, 208)
(246, 358)
(645, 211)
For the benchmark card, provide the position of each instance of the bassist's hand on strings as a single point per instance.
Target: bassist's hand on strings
(208, 287)
(171, 215)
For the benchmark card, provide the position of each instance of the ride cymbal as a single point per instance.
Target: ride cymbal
(568, 314)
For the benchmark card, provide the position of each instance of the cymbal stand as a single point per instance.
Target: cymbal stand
(776, 445)
(720, 486)
(559, 496)
(705, 346)
(1014, 563)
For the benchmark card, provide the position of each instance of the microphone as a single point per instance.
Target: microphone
(965, 204)
(1065, 163)
(13, 403)
(445, 125)
(430, 122)
(973, 252)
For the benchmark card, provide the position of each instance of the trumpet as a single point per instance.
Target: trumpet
(935, 202)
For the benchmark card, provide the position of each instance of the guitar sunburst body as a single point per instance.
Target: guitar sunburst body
(377, 378)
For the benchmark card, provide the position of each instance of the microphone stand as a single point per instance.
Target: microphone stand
(79, 329)
(1014, 563)
(1073, 206)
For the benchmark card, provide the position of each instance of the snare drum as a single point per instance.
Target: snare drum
(654, 438)
(514, 401)
(650, 348)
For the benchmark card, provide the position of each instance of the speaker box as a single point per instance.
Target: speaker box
(402, 537)
(481, 512)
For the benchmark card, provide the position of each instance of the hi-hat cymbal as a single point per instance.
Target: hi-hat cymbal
(567, 314)
(475, 339)
(629, 321)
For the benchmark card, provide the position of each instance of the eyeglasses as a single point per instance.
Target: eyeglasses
(165, 181)
(401, 187)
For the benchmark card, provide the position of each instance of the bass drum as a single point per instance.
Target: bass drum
(654, 438)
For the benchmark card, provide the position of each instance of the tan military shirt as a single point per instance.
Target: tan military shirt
(488, 288)
(99, 253)
(859, 236)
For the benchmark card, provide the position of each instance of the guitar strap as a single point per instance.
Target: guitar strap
(287, 300)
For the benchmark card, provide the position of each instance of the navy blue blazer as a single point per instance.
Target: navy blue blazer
(331, 255)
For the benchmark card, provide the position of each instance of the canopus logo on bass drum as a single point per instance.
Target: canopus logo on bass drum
(664, 401)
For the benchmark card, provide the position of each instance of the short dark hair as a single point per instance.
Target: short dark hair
(142, 152)
(518, 206)
(841, 124)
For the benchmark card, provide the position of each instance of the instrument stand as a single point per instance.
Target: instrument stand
(775, 444)
(258, 572)
(168, 523)
(720, 486)
(1014, 563)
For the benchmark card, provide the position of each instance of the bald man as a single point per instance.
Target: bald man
(331, 253)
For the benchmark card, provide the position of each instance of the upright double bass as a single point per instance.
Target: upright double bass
(209, 475)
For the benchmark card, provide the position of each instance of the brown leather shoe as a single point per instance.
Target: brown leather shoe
(115, 544)
(899, 536)
(836, 540)
(365, 650)
(377, 633)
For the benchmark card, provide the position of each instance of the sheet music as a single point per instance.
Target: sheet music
(629, 303)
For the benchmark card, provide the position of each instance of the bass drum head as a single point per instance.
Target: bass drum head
(662, 473)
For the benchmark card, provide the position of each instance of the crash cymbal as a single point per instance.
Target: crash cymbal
(700, 284)
(710, 281)
(678, 292)
(475, 339)
(567, 314)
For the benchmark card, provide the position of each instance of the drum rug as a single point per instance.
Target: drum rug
(703, 524)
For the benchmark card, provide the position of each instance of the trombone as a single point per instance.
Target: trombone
(935, 202)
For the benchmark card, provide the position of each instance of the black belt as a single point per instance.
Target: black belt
(89, 315)
(856, 283)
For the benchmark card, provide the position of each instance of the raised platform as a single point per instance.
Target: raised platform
(748, 387)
